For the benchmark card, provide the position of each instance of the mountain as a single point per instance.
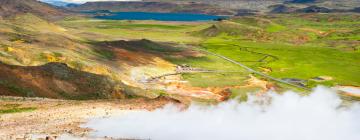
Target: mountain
(303, 1)
(11, 8)
(185, 7)
(58, 3)
(314, 9)
(281, 8)
(356, 10)
(217, 7)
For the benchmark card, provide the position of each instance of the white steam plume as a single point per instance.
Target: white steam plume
(288, 117)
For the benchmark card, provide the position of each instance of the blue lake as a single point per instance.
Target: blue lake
(159, 16)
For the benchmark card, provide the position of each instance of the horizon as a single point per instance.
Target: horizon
(81, 1)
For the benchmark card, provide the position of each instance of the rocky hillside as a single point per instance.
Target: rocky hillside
(11, 8)
(54, 80)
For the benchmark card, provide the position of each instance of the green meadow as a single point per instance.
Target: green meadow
(152, 30)
(292, 61)
(297, 46)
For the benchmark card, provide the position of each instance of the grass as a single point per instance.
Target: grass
(299, 46)
(292, 46)
(242, 93)
(17, 110)
(237, 75)
(14, 108)
(215, 80)
(152, 30)
(275, 28)
(107, 54)
(292, 61)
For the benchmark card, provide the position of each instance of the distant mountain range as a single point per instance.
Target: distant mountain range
(55, 9)
(121, 6)
(303, 1)
(224, 7)
(59, 3)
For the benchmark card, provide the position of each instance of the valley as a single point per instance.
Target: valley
(60, 67)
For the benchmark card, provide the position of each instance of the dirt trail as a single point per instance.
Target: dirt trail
(57, 117)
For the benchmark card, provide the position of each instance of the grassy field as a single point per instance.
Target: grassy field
(301, 46)
(236, 75)
(152, 30)
(289, 61)
(297, 46)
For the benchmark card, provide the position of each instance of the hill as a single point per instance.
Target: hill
(188, 7)
(54, 80)
(11, 8)
(58, 3)
(303, 1)
(223, 7)
(262, 5)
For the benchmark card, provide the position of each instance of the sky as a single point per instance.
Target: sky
(83, 1)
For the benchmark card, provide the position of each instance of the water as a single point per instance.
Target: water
(159, 16)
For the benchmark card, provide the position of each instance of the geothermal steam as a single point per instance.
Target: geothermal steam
(286, 117)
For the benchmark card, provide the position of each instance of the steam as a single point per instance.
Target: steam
(319, 116)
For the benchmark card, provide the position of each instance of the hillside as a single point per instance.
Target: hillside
(54, 80)
(11, 8)
(224, 7)
(263, 5)
(30, 41)
(118, 6)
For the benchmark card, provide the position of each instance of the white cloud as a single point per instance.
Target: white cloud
(287, 117)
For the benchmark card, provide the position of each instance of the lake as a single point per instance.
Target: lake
(159, 16)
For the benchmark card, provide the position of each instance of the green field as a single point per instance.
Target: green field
(291, 46)
(302, 62)
(152, 30)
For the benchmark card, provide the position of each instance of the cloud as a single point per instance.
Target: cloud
(287, 117)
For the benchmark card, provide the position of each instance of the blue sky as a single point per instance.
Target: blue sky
(83, 1)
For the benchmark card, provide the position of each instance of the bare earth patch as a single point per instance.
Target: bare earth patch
(58, 117)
